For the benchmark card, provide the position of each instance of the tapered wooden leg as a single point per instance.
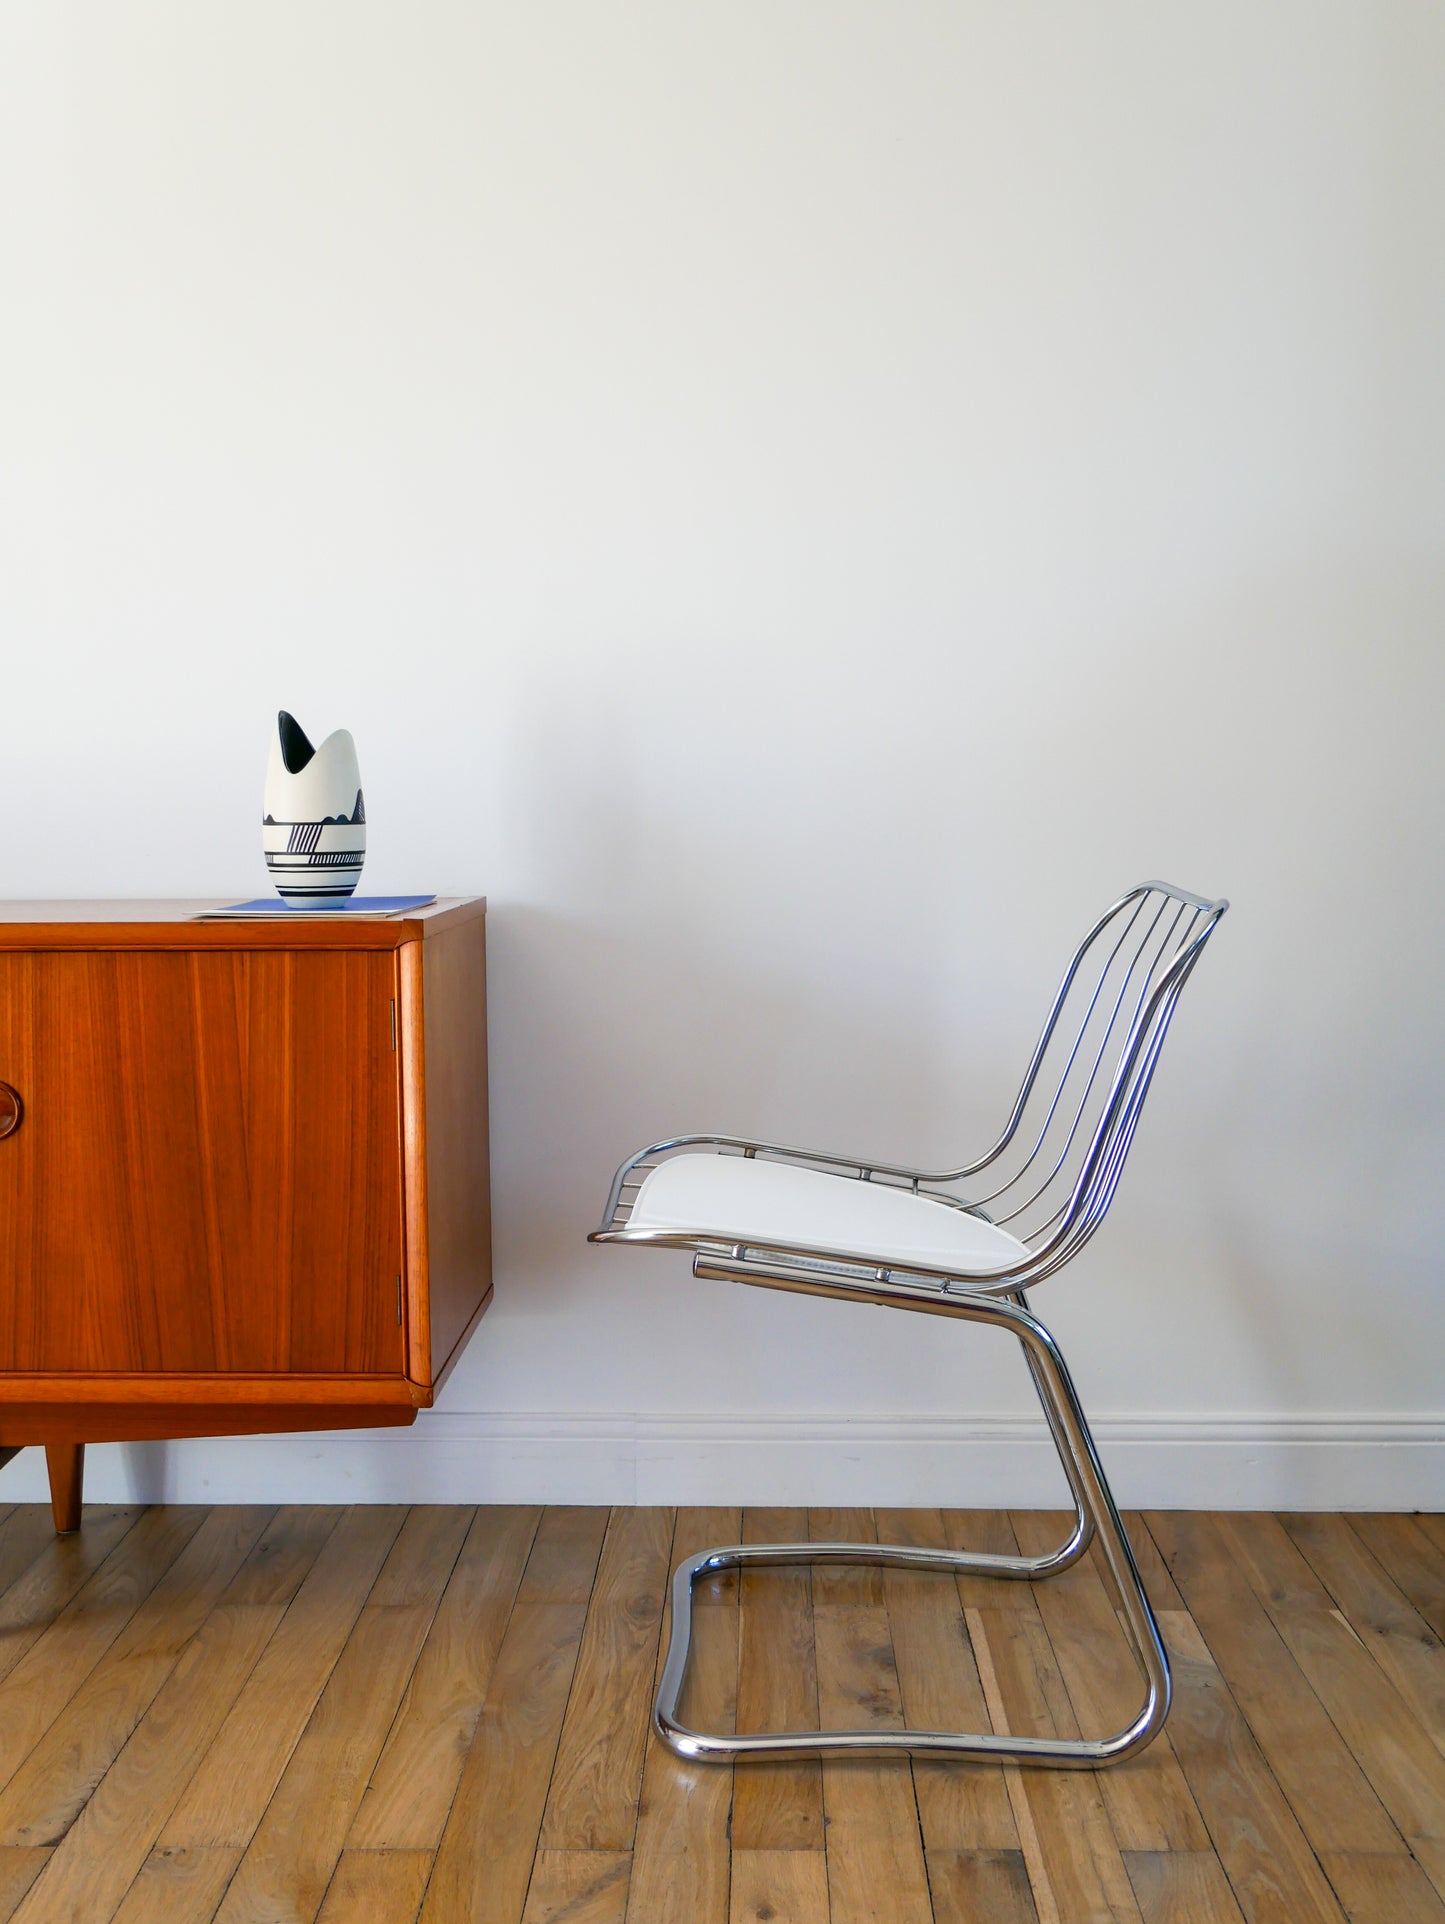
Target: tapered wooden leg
(66, 1464)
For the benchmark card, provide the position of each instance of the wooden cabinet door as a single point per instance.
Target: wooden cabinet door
(207, 1176)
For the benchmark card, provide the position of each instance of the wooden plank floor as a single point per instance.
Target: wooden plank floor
(375, 1716)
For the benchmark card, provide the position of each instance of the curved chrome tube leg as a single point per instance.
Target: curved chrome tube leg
(1077, 1544)
(1096, 1514)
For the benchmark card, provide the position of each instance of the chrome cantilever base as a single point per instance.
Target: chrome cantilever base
(1106, 1026)
(1095, 1514)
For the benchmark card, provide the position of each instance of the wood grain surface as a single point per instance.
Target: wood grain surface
(249, 1188)
(370, 1716)
(681, 1854)
(65, 1466)
(777, 1807)
(208, 1177)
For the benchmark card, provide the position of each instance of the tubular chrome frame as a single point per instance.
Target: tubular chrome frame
(1145, 968)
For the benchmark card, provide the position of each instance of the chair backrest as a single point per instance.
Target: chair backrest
(1052, 1173)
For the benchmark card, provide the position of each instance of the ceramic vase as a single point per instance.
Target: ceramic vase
(314, 823)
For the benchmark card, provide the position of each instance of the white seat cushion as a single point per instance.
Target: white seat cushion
(747, 1199)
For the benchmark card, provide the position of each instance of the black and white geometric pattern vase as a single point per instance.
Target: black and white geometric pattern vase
(314, 822)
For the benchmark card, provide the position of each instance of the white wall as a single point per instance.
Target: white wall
(800, 503)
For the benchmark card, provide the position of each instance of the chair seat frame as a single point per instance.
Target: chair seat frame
(996, 1299)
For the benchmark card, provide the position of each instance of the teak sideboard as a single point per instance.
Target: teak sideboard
(243, 1171)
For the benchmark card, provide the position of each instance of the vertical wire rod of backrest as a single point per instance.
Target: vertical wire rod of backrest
(1144, 1076)
(1141, 955)
(1133, 1028)
(1057, 1011)
(1046, 1036)
(1088, 1015)
(1104, 1163)
(1100, 1176)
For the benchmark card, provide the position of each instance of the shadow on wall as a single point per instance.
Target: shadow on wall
(615, 1038)
(748, 955)
(619, 1034)
(736, 920)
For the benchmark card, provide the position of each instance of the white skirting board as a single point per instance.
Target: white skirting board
(1364, 1462)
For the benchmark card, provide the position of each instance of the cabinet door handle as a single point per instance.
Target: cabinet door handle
(11, 1110)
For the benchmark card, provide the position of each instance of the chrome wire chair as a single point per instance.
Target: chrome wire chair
(961, 1242)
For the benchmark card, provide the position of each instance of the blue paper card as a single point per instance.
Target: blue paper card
(352, 905)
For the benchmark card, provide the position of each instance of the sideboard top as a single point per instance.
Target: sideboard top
(173, 925)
